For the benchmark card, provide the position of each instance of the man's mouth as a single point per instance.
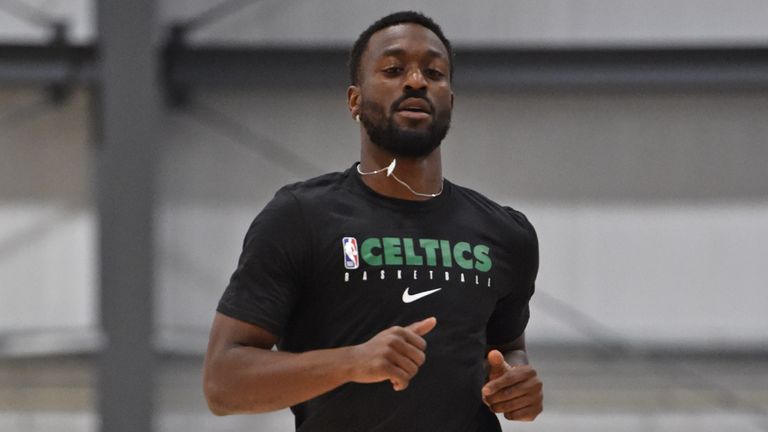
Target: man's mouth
(416, 105)
(414, 108)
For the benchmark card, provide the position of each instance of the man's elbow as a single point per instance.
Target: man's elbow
(215, 398)
(222, 400)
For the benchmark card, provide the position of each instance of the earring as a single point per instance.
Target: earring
(357, 118)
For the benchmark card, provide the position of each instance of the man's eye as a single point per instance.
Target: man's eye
(393, 70)
(434, 73)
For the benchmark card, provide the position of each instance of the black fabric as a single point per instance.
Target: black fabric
(292, 280)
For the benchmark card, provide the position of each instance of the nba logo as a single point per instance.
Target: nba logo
(351, 259)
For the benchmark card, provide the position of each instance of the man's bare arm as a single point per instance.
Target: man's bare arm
(514, 352)
(243, 375)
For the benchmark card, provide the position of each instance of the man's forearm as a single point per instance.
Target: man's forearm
(248, 377)
(245, 379)
(514, 352)
(516, 357)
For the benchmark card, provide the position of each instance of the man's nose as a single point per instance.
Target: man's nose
(414, 79)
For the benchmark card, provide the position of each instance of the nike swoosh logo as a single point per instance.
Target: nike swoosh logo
(409, 298)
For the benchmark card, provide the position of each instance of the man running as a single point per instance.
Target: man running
(397, 299)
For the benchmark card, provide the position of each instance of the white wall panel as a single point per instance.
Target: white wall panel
(46, 268)
(676, 275)
(47, 260)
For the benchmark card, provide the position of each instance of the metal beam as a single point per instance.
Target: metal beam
(217, 66)
(558, 68)
(26, 64)
(126, 112)
(652, 68)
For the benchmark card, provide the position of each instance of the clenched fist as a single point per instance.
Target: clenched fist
(515, 391)
(395, 354)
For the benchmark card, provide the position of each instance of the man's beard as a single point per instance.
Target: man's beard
(409, 143)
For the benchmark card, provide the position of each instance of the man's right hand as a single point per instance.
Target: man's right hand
(395, 354)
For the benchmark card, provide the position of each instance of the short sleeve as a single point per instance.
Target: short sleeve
(511, 315)
(269, 274)
(509, 319)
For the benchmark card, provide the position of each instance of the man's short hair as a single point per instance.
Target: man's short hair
(404, 17)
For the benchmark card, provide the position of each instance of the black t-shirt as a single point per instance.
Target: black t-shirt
(329, 263)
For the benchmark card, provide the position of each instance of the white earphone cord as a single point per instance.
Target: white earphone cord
(391, 173)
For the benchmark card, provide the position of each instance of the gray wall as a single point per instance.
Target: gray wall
(652, 208)
(15, 26)
(496, 22)
(47, 256)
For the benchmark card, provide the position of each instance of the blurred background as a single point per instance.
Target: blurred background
(139, 139)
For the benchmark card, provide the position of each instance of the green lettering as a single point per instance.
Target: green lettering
(367, 251)
(459, 250)
(445, 248)
(410, 256)
(482, 259)
(430, 247)
(392, 253)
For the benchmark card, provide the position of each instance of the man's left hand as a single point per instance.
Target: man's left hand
(515, 391)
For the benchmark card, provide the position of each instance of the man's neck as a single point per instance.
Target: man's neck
(423, 175)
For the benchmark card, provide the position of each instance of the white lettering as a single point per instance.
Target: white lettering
(399, 274)
(415, 275)
(489, 282)
(462, 277)
(346, 276)
(382, 275)
(365, 275)
(477, 280)
(430, 275)
(447, 276)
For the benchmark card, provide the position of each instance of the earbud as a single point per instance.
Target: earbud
(357, 118)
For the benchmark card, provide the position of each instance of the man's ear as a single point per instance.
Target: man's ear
(353, 100)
